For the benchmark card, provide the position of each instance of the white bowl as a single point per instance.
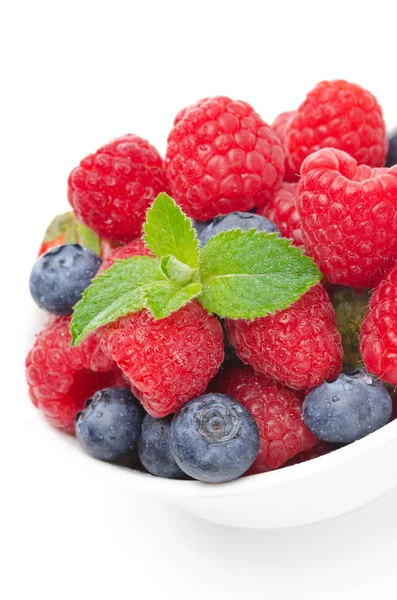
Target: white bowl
(319, 489)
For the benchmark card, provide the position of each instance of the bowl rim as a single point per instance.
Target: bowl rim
(146, 482)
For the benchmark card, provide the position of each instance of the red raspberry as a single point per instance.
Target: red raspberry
(342, 115)
(280, 128)
(299, 346)
(168, 361)
(348, 217)
(62, 377)
(378, 339)
(281, 209)
(112, 189)
(135, 248)
(222, 157)
(277, 411)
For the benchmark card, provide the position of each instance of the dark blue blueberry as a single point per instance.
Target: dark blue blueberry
(347, 409)
(154, 448)
(236, 220)
(391, 158)
(199, 226)
(214, 438)
(110, 425)
(60, 276)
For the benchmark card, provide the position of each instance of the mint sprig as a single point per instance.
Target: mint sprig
(169, 232)
(236, 274)
(248, 274)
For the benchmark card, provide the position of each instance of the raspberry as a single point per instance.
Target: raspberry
(62, 377)
(378, 339)
(168, 361)
(299, 346)
(111, 190)
(280, 128)
(281, 209)
(222, 157)
(277, 411)
(135, 248)
(348, 217)
(338, 114)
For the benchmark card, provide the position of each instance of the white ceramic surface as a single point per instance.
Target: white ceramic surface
(320, 489)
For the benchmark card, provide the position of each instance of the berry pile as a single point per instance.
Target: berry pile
(245, 322)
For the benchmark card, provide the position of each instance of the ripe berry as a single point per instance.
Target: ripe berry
(109, 426)
(199, 226)
(281, 209)
(214, 438)
(276, 409)
(236, 220)
(62, 377)
(280, 128)
(299, 346)
(168, 361)
(347, 409)
(60, 276)
(135, 248)
(155, 450)
(341, 115)
(222, 157)
(348, 217)
(111, 190)
(378, 339)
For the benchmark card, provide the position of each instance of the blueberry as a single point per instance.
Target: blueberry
(60, 276)
(214, 438)
(391, 158)
(236, 220)
(199, 226)
(347, 409)
(110, 425)
(154, 448)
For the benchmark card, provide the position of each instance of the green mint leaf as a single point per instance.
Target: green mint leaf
(176, 271)
(169, 231)
(114, 293)
(248, 274)
(163, 298)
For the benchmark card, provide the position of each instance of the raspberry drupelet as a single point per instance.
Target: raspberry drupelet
(341, 115)
(276, 409)
(281, 209)
(135, 248)
(299, 346)
(222, 157)
(62, 377)
(378, 339)
(280, 127)
(348, 217)
(111, 190)
(168, 361)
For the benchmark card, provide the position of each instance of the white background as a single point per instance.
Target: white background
(73, 76)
